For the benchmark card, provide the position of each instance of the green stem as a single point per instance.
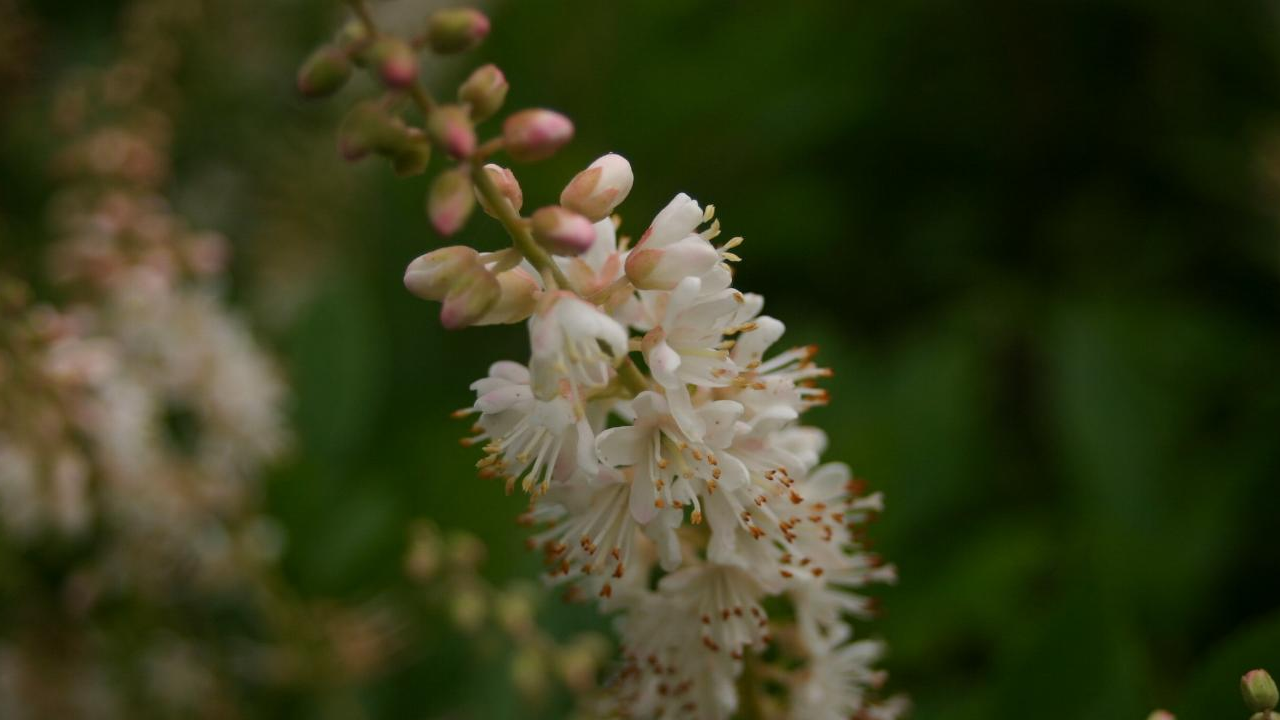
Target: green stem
(749, 707)
(521, 238)
(631, 376)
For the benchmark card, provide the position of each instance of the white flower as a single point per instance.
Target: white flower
(670, 470)
(833, 685)
(528, 438)
(672, 249)
(687, 348)
(572, 339)
(726, 601)
(668, 673)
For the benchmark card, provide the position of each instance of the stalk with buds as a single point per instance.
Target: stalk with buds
(656, 425)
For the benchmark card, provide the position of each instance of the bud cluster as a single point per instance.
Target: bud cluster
(687, 498)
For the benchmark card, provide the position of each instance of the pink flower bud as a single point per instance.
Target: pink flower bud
(450, 201)
(537, 134)
(1259, 691)
(451, 128)
(484, 92)
(324, 73)
(395, 61)
(664, 268)
(432, 276)
(507, 186)
(596, 191)
(562, 232)
(472, 295)
(518, 299)
(456, 30)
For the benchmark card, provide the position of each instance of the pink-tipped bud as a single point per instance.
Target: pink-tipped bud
(507, 186)
(324, 73)
(473, 294)
(537, 134)
(450, 201)
(456, 30)
(395, 61)
(367, 127)
(1259, 691)
(484, 92)
(562, 232)
(663, 268)
(1161, 715)
(518, 300)
(451, 128)
(596, 191)
(432, 276)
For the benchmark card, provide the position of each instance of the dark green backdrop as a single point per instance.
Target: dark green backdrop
(1037, 242)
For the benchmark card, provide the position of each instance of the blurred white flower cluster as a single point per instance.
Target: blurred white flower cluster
(691, 499)
(136, 414)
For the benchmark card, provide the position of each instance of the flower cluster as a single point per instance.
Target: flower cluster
(137, 413)
(687, 497)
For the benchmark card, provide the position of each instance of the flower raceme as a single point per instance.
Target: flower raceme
(686, 498)
(700, 472)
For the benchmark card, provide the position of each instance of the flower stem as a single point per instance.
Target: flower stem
(515, 226)
(749, 707)
(631, 376)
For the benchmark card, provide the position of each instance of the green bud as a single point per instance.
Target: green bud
(412, 157)
(456, 30)
(367, 128)
(451, 129)
(1264, 715)
(1259, 691)
(352, 35)
(484, 92)
(324, 73)
(395, 61)
(450, 201)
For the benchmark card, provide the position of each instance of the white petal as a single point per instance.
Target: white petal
(622, 446)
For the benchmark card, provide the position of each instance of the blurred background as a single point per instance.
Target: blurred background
(1036, 241)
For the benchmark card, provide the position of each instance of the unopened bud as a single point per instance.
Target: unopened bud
(468, 608)
(456, 30)
(484, 92)
(663, 268)
(517, 301)
(450, 201)
(562, 232)
(367, 127)
(395, 61)
(411, 153)
(596, 191)
(1161, 715)
(353, 35)
(537, 134)
(529, 674)
(324, 73)
(431, 276)
(471, 296)
(507, 186)
(1259, 691)
(451, 128)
